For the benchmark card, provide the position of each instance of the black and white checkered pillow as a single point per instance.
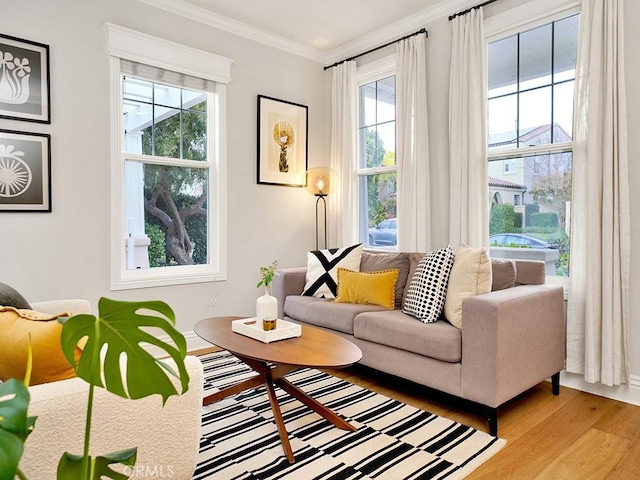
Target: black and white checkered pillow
(427, 290)
(322, 269)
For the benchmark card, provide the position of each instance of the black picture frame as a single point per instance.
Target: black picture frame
(283, 159)
(25, 85)
(25, 171)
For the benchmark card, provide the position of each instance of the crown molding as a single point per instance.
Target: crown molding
(398, 29)
(198, 14)
(379, 37)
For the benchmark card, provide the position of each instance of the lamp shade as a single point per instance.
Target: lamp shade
(320, 180)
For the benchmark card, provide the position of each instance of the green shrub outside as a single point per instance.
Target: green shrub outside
(530, 208)
(157, 248)
(549, 219)
(503, 218)
(518, 220)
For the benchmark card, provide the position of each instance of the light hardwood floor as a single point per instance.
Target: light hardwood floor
(575, 435)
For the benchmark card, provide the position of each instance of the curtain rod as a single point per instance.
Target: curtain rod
(422, 30)
(464, 12)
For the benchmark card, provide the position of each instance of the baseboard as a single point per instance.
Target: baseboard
(625, 393)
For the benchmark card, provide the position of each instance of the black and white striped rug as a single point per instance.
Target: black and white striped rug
(393, 440)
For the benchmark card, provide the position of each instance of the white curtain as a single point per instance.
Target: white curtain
(468, 190)
(414, 216)
(342, 210)
(598, 306)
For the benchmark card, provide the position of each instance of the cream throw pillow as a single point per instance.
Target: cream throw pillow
(470, 275)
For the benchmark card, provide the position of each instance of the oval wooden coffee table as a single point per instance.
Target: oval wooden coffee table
(315, 348)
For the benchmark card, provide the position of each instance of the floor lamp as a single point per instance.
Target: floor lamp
(319, 184)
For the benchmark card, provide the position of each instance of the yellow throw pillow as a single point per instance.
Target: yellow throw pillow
(368, 288)
(470, 275)
(49, 363)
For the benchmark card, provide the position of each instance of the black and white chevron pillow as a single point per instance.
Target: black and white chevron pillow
(427, 291)
(322, 269)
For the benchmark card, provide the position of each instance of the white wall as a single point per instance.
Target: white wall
(65, 253)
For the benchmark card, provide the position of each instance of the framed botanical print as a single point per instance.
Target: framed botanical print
(25, 172)
(282, 142)
(24, 80)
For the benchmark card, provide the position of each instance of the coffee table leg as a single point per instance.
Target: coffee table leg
(277, 415)
(314, 405)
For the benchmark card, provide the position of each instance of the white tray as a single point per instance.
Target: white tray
(252, 327)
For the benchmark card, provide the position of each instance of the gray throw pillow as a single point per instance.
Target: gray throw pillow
(10, 297)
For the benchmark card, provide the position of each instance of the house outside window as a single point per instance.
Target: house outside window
(531, 77)
(376, 169)
(169, 178)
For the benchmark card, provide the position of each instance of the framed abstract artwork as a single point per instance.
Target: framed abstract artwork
(24, 80)
(282, 142)
(25, 172)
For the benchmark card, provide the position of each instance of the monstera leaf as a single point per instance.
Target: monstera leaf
(15, 426)
(70, 466)
(114, 350)
(115, 340)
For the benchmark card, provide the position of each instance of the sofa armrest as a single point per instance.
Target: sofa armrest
(167, 437)
(74, 306)
(511, 340)
(287, 281)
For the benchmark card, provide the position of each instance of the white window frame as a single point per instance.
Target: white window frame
(371, 72)
(511, 22)
(123, 43)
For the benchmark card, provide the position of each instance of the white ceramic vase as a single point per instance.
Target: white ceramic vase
(266, 306)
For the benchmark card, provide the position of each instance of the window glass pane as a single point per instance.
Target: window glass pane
(563, 112)
(370, 155)
(166, 133)
(503, 66)
(535, 117)
(137, 117)
(194, 100)
(368, 104)
(565, 48)
(386, 102)
(135, 89)
(531, 209)
(535, 57)
(379, 193)
(166, 95)
(503, 121)
(176, 215)
(194, 135)
(387, 144)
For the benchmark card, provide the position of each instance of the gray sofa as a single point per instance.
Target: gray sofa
(511, 338)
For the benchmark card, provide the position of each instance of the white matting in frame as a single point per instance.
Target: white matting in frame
(282, 142)
(24, 80)
(25, 172)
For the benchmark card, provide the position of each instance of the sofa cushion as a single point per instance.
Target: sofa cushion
(503, 274)
(427, 290)
(322, 269)
(368, 288)
(10, 297)
(49, 363)
(470, 275)
(373, 262)
(439, 340)
(325, 312)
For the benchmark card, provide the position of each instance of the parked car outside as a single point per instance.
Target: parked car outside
(385, 233)
(518, 240)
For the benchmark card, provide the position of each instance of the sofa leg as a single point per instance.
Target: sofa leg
(555, 383)
(492, 419)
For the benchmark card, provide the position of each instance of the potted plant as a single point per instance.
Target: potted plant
(120, 328)
(267, 305)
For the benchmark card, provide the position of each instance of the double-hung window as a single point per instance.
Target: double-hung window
(376, 171)
(531, 77)
(169, 180)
